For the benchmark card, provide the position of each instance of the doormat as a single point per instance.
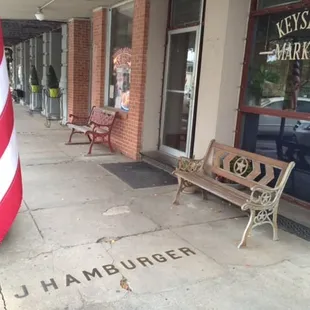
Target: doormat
(140, 174)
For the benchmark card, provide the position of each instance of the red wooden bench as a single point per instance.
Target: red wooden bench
(97, 127)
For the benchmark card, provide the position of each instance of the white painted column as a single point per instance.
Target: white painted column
(36, 59)
(32, 52)
(64, 72)
(155, 68)
(19, 65)
(26, 71)
(46, 63)
(226, 24)
(55, 51)
(39, 55)
(15, 63)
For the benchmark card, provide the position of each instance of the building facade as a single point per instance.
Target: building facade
(162, 65)
(183, 72)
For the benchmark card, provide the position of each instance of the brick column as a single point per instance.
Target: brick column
(138, 74)
(99, 56)
(128, 132)
(79, 38)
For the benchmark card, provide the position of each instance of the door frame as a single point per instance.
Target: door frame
(162, 147)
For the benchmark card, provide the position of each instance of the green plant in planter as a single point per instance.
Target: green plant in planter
(34, 80)
(262, 75)
(52, 83)
(232, 170)
(247, 171)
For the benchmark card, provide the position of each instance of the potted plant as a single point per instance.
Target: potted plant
(34, 80)
(52, 83)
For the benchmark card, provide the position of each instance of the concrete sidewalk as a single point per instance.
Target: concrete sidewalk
(85, 240)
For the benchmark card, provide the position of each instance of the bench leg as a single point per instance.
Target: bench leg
(177, 196)
(275, 224)
(92, 141)
(89, 138)
(248, 230)
(110, 143)
(72, 133)
(204, 194)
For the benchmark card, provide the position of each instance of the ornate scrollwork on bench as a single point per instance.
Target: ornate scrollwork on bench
(263, 205)
(262, 198)
(190, 165)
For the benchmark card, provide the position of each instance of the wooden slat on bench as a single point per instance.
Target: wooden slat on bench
(221, 190)
(230, 176)
(256, 157)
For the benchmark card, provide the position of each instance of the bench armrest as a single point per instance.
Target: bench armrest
(100, 125)
(262, 197)
(189, 165)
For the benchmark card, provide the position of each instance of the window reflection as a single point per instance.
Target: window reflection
(185, 12)
(279, 72)
(284, 139)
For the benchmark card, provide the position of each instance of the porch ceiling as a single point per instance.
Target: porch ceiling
(59, 10)
(16, 31)
(19, 22)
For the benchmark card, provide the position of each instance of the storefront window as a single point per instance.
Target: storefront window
(120, 56)
(263, 4)
(279, 71)
(275, 110)
(185, 13)
(284, 139)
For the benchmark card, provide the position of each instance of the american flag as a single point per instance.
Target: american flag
(10, 172)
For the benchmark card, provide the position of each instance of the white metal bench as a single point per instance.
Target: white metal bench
(263, 178)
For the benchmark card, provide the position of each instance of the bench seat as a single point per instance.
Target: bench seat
(216, 188)
(85, 129)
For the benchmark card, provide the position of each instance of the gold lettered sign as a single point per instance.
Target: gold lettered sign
(299, 21)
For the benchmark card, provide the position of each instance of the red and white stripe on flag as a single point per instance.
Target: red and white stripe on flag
(10, 172)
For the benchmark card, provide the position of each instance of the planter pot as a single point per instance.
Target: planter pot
(234, 185)
(35, 89)
(35, 101)
(53, 92)
(190, 190)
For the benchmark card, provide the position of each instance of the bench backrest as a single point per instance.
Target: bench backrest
(101, 117)
(245, 168)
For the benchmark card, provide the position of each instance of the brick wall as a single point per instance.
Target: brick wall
(99, 54)
(127, 132)
(79, 38)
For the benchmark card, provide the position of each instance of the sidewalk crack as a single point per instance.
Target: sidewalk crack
(33, 219)
(3, 299)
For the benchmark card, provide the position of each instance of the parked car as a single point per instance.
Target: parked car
(301, 133)
(270, 125)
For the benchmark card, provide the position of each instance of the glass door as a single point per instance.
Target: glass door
(179, 91)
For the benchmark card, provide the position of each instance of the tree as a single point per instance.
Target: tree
(52, 80)
(34, 80)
